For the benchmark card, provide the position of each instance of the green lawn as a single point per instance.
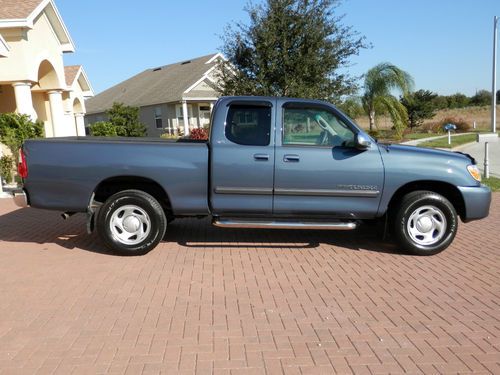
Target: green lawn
(493, 183)
(455, 141)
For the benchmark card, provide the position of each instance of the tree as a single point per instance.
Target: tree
(482, 98)
(379, 82)
(103, 129)
(440, 102)
(15, 129)
(457, 100)
(420, 106)
(352, 107)
(290, 48)
(126, 120)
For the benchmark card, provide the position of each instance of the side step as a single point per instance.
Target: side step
(283, 224)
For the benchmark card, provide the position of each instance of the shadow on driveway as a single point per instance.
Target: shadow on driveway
(46, 227)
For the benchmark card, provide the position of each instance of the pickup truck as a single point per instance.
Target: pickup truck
(269, 163)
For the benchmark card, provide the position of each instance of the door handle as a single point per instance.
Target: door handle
(261, 157)
(291, 158)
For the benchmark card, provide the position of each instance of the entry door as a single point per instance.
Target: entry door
(243, 161)
(318, 169)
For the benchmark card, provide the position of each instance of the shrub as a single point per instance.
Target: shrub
(169, 136)
(15, 129)
(6, 165)
(201, 134)
(126, 120)
(103, 129)
(433, 127)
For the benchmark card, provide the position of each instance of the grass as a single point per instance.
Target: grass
(455, 141)
(492, 182)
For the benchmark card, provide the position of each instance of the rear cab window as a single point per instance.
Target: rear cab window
(248, 125)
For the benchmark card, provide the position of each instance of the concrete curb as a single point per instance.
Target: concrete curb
(416, 142)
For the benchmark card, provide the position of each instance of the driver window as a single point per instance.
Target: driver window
(315, 127)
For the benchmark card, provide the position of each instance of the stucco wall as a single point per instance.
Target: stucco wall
(28, 48)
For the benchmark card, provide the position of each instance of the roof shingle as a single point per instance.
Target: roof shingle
(164, 84)
(17, 9)
(70, 73)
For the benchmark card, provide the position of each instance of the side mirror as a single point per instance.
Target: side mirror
(362, 141)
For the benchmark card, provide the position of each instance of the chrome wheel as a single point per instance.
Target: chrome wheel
(426, 225)
(130, 224)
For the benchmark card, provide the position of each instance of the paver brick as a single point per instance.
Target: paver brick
(214, 301)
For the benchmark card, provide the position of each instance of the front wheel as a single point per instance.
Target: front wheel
(426, 223)
(131, 222)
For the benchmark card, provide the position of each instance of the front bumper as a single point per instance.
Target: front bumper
(477, 202)
(20, 198)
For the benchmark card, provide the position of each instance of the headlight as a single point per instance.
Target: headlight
(474, 172)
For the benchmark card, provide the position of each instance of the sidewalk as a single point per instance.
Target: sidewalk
(476, 150)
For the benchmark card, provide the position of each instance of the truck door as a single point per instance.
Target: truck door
(242, 158)
(318, 169)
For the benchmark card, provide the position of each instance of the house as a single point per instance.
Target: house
(166, 96)
(33, 78)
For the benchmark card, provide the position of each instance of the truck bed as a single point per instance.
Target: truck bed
(64, 172)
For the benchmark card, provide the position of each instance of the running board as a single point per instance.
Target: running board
(283, 224)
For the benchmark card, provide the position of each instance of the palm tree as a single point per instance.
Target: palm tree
(380, 81)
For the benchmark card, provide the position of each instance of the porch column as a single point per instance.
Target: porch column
(80, 124)
(57, 113)
(186, 117)
(211, 107)
(24, 101)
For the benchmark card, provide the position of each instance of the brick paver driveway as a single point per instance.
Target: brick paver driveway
(245, 301)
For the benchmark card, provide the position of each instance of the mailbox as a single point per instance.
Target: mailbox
(450, 127)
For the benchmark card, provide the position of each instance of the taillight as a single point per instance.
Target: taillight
(22, 167)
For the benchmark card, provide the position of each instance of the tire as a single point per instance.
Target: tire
(131, 222)
(425, 223)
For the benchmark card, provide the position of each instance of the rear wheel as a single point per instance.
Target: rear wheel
(426, 223)
(131, 222)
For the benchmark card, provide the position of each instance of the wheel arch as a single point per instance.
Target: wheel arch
(113, 185)
(445, 189)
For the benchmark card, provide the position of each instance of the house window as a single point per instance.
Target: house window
(180, 114)
(158, 118)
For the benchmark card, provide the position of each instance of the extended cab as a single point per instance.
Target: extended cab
(269, 163)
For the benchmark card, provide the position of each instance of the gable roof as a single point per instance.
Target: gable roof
(163, 84)
(17, 9)
(22, 13)
(70, 73)
(75, 74)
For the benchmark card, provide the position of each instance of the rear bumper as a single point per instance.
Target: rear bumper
(477, 202)
(20, 198)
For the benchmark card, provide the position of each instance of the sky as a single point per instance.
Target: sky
(446, 45)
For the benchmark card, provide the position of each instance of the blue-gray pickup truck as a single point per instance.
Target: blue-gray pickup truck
(268, 163)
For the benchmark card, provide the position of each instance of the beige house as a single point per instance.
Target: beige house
(172, 99)
(33, 78)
